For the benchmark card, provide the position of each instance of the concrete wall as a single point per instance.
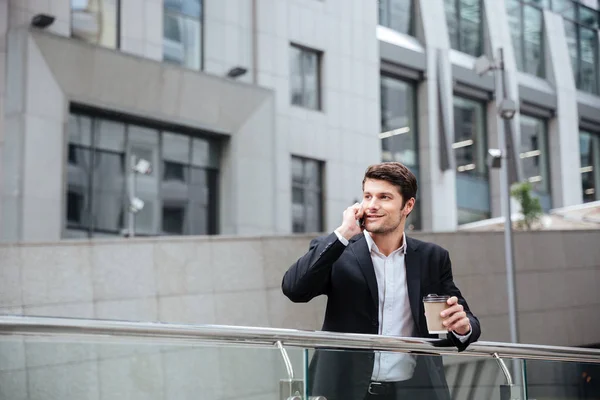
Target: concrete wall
(236, 281)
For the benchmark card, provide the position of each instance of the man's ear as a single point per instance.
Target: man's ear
(408, 206)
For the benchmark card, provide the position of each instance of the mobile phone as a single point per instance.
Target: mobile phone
(361, 220)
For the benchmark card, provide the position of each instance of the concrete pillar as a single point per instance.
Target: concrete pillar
(498, 36)
(563, 130)
(437, 181)
(34, 145)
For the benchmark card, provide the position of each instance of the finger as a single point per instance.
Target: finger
(463, 325)
(452, 300)
(452, 310)
(448, 322)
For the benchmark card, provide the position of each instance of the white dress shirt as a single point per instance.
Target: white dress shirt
(395, 316)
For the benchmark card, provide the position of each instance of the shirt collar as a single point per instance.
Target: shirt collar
(372, 246)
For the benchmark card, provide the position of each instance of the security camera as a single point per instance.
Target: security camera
(143, 167)
(495, 158)
(136, 205)
(507, 109)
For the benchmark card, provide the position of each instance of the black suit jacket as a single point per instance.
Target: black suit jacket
(345, 274)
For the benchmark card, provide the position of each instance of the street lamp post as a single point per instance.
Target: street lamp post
(499, 159)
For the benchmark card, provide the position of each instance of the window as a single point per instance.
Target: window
(398, 131)
(179, 194)
(305, 77)
(589, 146)
(397, 15)
(96, 21)
(307, 195)
(526, 26)
(182, 33)
(464, 25)
(581, 20)
(533, 155)
(581, 28)
(470, 149)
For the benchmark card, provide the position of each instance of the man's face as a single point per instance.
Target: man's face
(382, 205)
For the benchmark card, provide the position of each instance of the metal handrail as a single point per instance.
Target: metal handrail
(177, 334)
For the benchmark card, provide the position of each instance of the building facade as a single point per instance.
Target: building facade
(260, 116)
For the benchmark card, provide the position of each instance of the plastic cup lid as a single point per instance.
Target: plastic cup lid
(431, 298)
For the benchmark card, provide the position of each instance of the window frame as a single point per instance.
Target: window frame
(473, 174)
(118, 28)
(201, 21)
(321, 192)
(95, 116)
(545, 149)
(411, 22)
(319, 54)
(416, 214)
(543, 70)
(595, 149)
(459, 35)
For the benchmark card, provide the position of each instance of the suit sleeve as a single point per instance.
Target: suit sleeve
(450, 289)
(310, 276)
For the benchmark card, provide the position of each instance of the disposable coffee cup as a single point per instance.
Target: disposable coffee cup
(434, 305)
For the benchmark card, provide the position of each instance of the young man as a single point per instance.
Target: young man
(375, 278)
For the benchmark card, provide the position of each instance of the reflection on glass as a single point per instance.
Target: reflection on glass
(571, 36)
(191, 8)
(589, 60)
(182, 34)
(589, 147)
(532, 41)
(564, 7)
(464, 25)
(307, 195)
(526, 25)
(108, 191)
(588, 17)
(95, 21)
(179, 198)
(397, 15)
(533, 153)
(561, 380)
(515, 22)
(78, 186)
(398, 132)
(304, 78)
(472, 181)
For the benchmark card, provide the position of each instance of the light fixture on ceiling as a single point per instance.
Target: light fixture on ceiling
(42, 21)
(236, 72)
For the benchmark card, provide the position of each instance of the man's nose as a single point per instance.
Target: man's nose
(372, 204)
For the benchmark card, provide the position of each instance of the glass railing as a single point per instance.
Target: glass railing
(57, 358)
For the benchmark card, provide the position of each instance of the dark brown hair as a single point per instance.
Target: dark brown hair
(397, 174)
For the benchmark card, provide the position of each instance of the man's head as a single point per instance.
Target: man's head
(389, 191)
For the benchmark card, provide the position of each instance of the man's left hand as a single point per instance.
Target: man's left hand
(455, 318)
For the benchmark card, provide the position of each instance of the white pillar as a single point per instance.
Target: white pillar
(563, 130)
(437, 186)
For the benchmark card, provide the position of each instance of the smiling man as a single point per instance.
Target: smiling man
(374, 277)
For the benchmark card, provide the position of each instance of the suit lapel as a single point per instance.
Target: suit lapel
(413, 278)
(361, 251)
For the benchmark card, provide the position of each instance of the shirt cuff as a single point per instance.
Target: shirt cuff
(341, 238)
(463, 338)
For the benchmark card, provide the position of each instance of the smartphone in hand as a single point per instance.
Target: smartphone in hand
(361, 220)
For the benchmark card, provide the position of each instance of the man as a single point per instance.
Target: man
(375, 278)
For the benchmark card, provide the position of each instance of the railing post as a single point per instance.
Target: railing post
(290, 388)
(508, 391)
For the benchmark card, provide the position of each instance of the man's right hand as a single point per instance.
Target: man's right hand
(350, 227)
